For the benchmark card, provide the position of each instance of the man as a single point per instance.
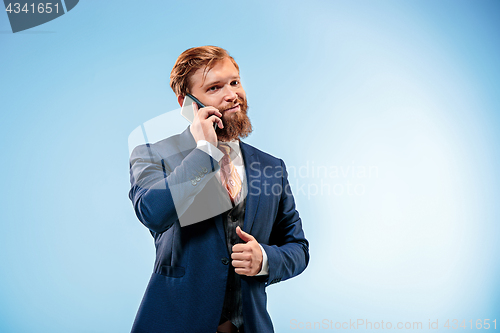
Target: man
(206, 197)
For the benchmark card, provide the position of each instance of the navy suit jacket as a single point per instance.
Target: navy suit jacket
(187, 287)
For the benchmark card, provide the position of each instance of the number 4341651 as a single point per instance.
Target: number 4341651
(479, 324)
(40, 8)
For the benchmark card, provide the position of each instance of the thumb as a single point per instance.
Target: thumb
(244, 236)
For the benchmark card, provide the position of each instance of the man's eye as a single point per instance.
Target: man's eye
(214, 88)
(235, 82)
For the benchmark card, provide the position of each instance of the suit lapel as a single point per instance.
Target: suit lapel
(253, 179)
(219, 223)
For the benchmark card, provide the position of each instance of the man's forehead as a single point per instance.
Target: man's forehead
(221, 71)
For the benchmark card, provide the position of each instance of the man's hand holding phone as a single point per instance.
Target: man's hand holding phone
(203, 127)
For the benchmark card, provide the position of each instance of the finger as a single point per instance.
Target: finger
(243, 235)
(217, 120)
(240, 264)
(241, 256)
(210, 110)
(195, 108)
(240, 248)
(242, 271)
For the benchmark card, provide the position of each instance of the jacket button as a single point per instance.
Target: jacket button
(193, 182)
(225, 261)
(234, 218)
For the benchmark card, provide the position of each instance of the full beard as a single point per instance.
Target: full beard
(236, 125)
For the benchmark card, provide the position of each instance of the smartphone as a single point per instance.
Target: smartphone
(187, 110)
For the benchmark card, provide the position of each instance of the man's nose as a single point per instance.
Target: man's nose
(230, 93)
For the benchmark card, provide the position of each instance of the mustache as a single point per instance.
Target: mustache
(239, 101)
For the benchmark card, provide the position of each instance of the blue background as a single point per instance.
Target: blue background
(409, 88)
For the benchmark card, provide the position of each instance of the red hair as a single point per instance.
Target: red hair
(193, 59)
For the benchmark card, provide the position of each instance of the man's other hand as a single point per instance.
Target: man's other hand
(247, 258)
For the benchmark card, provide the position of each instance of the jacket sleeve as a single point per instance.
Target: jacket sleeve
(288, 249)
(163, 188)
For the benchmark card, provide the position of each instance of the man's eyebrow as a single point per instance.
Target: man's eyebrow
(211, 83)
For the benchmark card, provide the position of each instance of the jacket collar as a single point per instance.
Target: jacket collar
(253, 178)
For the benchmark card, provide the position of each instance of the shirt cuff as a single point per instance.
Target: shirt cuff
(265, 264)
(210, 149)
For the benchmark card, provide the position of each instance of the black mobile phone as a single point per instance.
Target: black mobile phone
(187, 110)
(200, 104)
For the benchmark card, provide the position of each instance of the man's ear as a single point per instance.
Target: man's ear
(180, 99)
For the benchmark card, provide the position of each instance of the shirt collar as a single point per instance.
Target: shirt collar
(235, 154)
(235, 146)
